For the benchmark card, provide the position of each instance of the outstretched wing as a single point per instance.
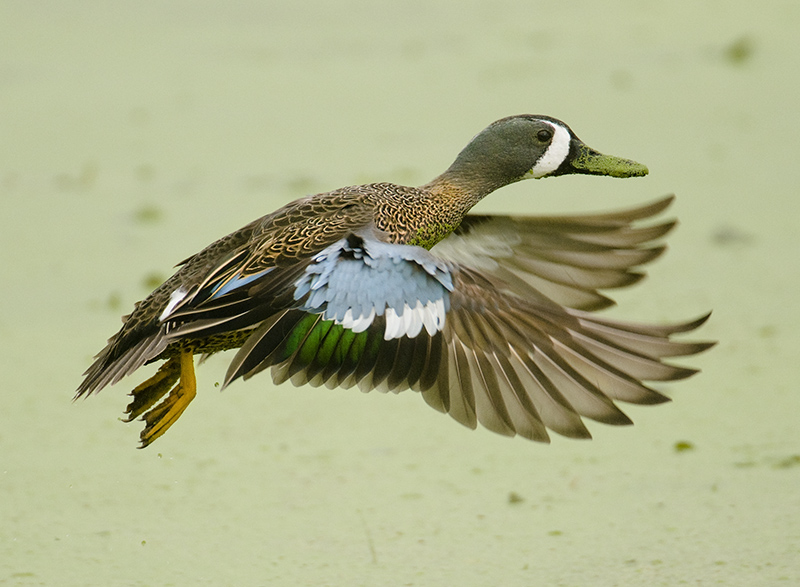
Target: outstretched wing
(519, 366)
(358, 297)
(502, 354)
(564, 258)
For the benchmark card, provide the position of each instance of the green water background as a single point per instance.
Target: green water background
(134, 133)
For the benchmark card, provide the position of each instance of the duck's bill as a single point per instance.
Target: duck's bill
(583, 159)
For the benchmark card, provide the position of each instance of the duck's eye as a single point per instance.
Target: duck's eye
(544, 135)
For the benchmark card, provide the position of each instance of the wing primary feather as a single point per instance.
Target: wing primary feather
(561, 403)
(368, 355)
(247, 358)
(479, 333)
(634, 364)
(657, 330)
(434, 383)
(527, 421)
(435, 369)
(612, 382)
(384, 362)
(275, 343)
(460, 391)
(651, 345)
(419, 358)
(398, 376)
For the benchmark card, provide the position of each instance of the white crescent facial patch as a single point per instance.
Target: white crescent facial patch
(555, 154)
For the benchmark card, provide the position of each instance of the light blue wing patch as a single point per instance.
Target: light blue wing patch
(356, 279)
(236, 282)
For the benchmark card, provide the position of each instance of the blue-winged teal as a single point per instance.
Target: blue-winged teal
(391, 287)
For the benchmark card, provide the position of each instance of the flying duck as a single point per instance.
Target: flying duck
(382, 286)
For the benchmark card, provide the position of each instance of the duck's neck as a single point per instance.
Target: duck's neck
(451, 195)
(462, 188)
(474, 174)
(446, 202)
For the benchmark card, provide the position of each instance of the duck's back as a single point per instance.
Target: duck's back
(287, 238)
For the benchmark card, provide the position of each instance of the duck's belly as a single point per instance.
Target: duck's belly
(208, 345)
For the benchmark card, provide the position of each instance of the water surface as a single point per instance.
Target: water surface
(135, 133)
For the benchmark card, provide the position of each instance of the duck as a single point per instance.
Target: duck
(490, 318)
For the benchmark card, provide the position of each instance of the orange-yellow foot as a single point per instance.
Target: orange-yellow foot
(148, 393)
(160, 418)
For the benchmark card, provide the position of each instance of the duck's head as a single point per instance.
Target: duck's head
(529, 146)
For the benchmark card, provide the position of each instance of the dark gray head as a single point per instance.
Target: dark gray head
(529, 146)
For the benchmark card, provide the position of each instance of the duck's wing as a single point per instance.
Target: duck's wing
(567, 259)
(143, 335)
(519, 366)
(356, 293)
(394, 317)
(228, 287)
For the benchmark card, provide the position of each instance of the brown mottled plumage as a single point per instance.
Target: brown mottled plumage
(392, 287)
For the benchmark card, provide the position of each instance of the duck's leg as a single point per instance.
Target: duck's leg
(146, 394)
(160, 418)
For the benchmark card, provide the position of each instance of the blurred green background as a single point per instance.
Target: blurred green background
(132, 134)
